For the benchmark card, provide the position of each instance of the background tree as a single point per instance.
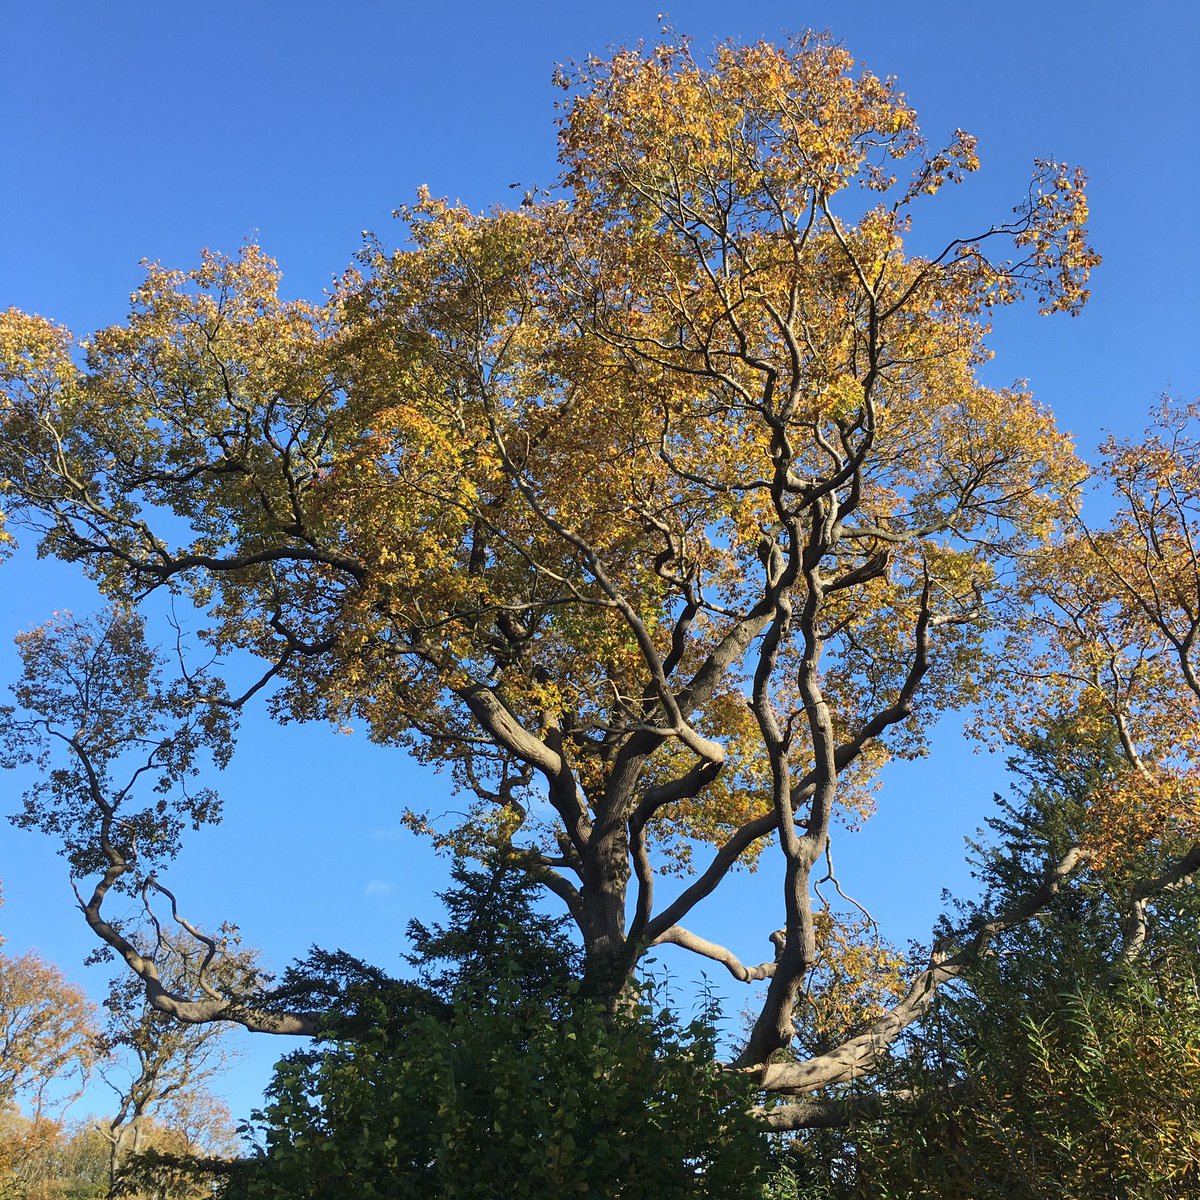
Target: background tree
(160, 1070)
(661, 511)
(1062, 1063)
(47, 1034)
(47, 1048)
(1115, 631)
(58, 1161)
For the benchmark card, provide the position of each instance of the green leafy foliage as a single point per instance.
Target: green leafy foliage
(1059, 1068)
(506, 1099)
(494, 935)
(503, 1081)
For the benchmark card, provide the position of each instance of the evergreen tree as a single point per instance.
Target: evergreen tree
(494, 1077)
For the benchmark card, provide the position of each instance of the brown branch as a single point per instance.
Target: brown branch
(193, 1012)
(1136, 925)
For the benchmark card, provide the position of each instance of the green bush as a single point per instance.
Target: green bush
(494, 1078)
(506, 1100)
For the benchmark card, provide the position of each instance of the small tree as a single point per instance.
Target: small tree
(47, 1034)
(47, 1048)
(160, 1070)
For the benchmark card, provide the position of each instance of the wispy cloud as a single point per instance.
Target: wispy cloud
(389, 833)
(377, 887)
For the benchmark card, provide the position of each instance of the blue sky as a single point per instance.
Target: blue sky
(138, 130)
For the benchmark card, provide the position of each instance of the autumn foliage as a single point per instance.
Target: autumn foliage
(660, 511)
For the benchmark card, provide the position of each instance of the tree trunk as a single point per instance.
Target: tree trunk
(608, 957)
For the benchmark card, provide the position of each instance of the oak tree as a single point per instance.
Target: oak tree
(660, 511)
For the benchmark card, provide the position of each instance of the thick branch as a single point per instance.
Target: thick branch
(1136, 925)
(194, 1012)
(759, 827)
(678, 936)
(860, 1055)
(842, 1111)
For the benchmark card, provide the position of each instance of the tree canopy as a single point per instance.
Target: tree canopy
(47, 1041)
(661, 511)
